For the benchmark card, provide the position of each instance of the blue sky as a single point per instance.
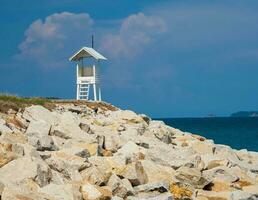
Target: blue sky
(165, 58)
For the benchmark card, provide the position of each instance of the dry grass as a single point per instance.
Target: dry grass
(15, 103)
(8, 102)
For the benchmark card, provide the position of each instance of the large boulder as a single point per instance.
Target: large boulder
(161, 131)
(94, 192)
(129, 152)
(68, 127)
(4, 128)
(62, 192)
(38, 136)
(241, 195)
(32, 168)
(192, 176)
(94, 176)
(67, 164)
(6, 154)
(120, 188)
(150, 172)
(38, 129)
(39, 113)
(12, 194)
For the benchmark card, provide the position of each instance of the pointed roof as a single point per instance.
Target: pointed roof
(87, 52)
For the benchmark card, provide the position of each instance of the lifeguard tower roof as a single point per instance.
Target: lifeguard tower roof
(87, 52)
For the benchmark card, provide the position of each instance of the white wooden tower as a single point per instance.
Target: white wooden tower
(87, 72)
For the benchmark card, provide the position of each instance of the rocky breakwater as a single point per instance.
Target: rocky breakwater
(78, 152)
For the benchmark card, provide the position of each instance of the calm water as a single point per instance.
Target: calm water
(239, 133)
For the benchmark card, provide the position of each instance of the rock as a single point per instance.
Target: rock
(192, 176)
(44, 174)
(161, 187)
(107, 165)
(94, 176)
(46, 143)
(14, 138)
(39, 113)
(163, 196)
(241, 195)
(145, 118)
(1, 188)
(119, 187)
(68, 127)
(58, 178)
(166, 155)
(59, 192)
(252, 189)
(209, 195)
(92, 192)
(203, 147)
(129, 152)
(222, 174)
(126, 116)
(32, 168)
(150, 172)
(67, 164)
(6, 157)
(211, 161)
(116, 198)
(75, 152)
(86, 128)
(112, 142)
(78, 147)
(129, 172)
(37, 133)
(161, 131)
(4, 128)
(11, 194)
(38, 129)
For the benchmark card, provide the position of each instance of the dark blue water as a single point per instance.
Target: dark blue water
(239, 133)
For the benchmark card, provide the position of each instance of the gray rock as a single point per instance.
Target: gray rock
(85, 127)
(1, 188)
(116, 198)
(94, 176)
(161, 187)
(14, 194)
(39, 113)
(68, 127)
(4, 128)
(44, 175)
(163, 196)
(59, 192)
(192, 176)
(221, 173)
(25, 168)
(46, 143)
(241, 195)
(120, 188)
(38, 129)
(67, 164)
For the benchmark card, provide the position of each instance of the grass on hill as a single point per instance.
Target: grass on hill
(14, 102)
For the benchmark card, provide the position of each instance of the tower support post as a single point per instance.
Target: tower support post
(99, 93)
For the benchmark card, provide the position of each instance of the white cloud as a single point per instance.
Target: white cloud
(49, 43)
(135, 32)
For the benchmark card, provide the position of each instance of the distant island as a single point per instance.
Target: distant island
(245, 114)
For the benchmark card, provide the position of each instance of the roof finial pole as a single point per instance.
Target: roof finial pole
(92, 41)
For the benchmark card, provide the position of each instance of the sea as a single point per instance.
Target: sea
(239, 133)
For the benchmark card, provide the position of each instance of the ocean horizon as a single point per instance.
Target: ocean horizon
(237, 132)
